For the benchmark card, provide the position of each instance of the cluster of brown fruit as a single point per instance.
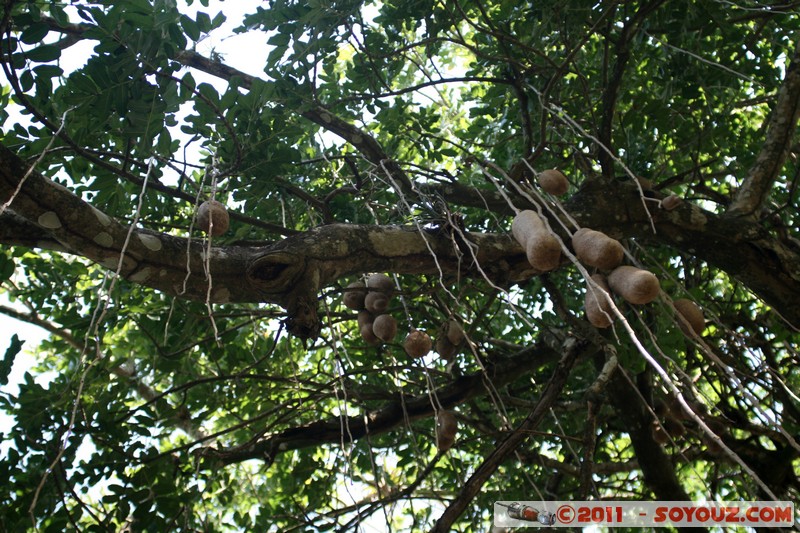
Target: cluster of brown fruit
(592, 248)
(371, 300)
(596, 249)
(633, 284)
(213, 218)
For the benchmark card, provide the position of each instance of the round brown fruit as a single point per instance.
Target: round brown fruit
(446, 429)
(376, 302)
(365, 318)
(385, 327)
(417, 344)
(671, 202)
(525, 224)
(541, 247)
(353, 297)
(637, 286)
(554, 182)
(595, 248)
(368, 335)
(213, 218)
(455, 332)
(446, 349)
(597, 306)
(380, 283)
(691, 314)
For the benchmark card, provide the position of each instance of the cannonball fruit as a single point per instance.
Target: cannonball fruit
(671, 202)
(635, 285)
(369, 335)
(554, 182)
(446, 428)
(597, 306)
(376, 302)
(658, 432)
(353, 297)
(385, 327)
(364, 318)
(595, 248)
(213, 218)
(691, 314)
(455, 332)
(541, 247)
(446, 349)
(417, 344)
(380, 283)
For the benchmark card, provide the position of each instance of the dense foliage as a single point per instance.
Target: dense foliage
(221, 385)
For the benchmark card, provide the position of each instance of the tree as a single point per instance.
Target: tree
(219, 383)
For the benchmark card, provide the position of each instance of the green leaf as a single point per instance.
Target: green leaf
(204, 22)
(7, 267)
(8, 359)
(85, 14)
(44, 53)
(35, 33)
(48, 71)
(219, 20)
(58, 13)
(26, 80)
(190, 27)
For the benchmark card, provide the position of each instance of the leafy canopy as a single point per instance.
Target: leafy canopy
(223, 385)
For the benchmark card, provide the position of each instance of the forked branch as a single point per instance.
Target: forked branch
(780, 134)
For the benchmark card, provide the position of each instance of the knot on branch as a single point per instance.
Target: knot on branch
(276, 273)
(287, 279)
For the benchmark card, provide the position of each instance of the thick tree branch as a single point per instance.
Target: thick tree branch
(288, 273)
(745, 252)
(658, 470)
(308, 261)
(572, 349)
(398, 412)
(780, 134)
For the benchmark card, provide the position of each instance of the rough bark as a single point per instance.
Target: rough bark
(291, 272)
(288, 273)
